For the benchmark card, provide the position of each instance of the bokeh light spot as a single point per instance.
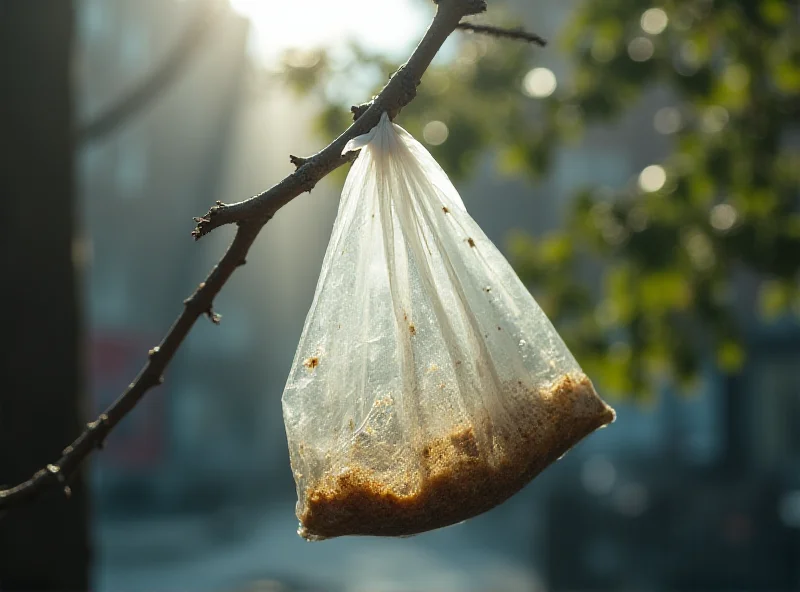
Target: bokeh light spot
(301, 58)
(654, 21)
(539, 83)
(723, 217)
(598, 475)
(435, 133)
(714, 119)
(652, 178)
(667, 120)
(699, 248)
(641, 49)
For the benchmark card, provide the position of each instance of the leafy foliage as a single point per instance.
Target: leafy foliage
(646, 279)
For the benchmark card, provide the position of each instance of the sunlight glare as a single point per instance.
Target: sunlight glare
(309, 24)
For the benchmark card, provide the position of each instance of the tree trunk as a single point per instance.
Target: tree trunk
(43, 546)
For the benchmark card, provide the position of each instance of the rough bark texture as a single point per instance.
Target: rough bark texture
(43, 546)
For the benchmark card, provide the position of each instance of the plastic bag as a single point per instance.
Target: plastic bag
(428, 385)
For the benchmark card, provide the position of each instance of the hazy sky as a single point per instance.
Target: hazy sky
(314, 23)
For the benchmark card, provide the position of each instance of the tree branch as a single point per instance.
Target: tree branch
(250, 216)
(516, 34)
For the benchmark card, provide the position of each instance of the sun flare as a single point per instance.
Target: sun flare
(307, 24)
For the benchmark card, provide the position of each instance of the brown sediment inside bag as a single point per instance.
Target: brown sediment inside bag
(457, 481)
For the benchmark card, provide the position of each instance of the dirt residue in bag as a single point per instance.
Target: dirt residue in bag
(458, 481)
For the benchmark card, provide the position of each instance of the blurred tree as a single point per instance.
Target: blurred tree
(44, 546)
(673, 245)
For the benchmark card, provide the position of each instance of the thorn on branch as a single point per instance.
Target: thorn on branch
(359, 110)
(515, 34)
(297, 161)
(93, 425)
(204, 223)
(213, 317)
(100, 422)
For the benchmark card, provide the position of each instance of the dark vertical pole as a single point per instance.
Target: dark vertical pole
(735, 458)
(43, 546)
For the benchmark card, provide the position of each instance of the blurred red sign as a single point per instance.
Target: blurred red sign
(115, 360)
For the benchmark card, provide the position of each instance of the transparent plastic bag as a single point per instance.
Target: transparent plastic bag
(428, 385)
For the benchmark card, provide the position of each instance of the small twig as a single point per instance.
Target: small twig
(250, 216)
(516, 34)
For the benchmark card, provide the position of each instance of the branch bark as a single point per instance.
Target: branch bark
(250, 216)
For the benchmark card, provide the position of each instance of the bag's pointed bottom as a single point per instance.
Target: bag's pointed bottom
(456, 481)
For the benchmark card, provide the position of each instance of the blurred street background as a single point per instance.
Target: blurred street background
(642, 173)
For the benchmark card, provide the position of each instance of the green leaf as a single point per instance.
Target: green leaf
(774, 298)
(730, 356)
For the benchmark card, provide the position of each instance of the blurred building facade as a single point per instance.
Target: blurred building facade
(141, 184)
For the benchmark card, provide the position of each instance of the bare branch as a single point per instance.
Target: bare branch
(516, 34)
(250, 216)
